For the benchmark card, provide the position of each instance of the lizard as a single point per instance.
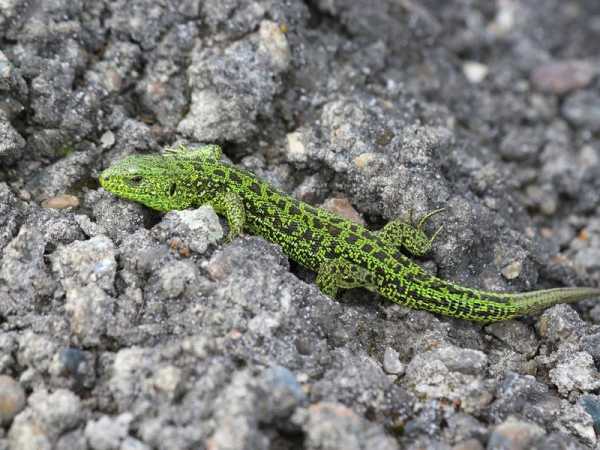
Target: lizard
(344, 254)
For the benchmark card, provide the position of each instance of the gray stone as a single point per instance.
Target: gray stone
(57, 227)
(523, 395)
(576, 421)
(559, 323)
(588, 258)
(522, 143)
(464, 430)
(591, 404)
(12, 399)
(235, 426)
(58, 411)
(119, 218)
(11, 215)
(44, 420)
(90, 309)
(196, 228)
(391, 362)
(175, 277)
(59, 177)
(74, 364)
(11, 142)
(26, 434)
(591, 344)
(85, 263)
(450, 373)
(23, 268)
(331, 426)
(558, 441)
(576, 373)
(35, 351)
(513, 434)
(130, 443)
(108, 433)
(561, 77)
(8, 348)
(169, 380)
(282, 393)
(135, 136)
(469, 444)
(582, 109)
(73, 440)
(516, 335)
(234, 84)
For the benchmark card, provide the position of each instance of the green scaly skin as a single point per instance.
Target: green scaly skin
(344, 254)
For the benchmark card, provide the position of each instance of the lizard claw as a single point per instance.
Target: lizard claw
(428, 216)
(435, 234)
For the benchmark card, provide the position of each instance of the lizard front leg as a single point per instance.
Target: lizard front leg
(231, 206)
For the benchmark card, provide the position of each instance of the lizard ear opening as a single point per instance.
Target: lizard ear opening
(135, 181)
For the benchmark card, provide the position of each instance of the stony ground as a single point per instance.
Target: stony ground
(124, 329)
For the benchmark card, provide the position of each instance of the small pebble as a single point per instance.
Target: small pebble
(60, 410)
(364, 160)
(559, 323)
(175, 277)
(12, 399)
(475, 71)
(588, 258)
(516, 335)
(512, 270)
(513, 434)
(582, 109)
(391, 362)
(296, 150)
(130, 443)
(107, 139)
(576, 373)
(591, 404)
(274, 42)
(24, 194)
(469, 444)
(561, 77)
(189, 230)
(26, 434)
(168, 379)
(108, 432)
(61, 202)
(69, 362)
(343, 207)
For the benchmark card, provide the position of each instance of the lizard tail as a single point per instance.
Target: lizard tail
(528, 302)
(444, 297)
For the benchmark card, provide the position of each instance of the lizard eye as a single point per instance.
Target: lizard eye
(172, 189)
(135, 181)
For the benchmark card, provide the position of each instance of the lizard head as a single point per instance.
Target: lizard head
(160, 182)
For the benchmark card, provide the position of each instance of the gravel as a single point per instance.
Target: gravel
(123, 328)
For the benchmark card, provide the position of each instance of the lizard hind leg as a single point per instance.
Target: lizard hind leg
(409, 236)
(335, 274)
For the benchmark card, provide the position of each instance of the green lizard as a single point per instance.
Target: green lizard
(344, 254)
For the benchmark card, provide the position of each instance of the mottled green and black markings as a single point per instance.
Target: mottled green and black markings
(344, 254)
